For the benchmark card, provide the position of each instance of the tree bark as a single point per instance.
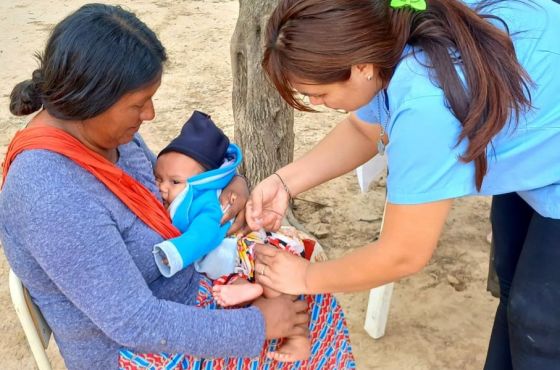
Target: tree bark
(264, 123)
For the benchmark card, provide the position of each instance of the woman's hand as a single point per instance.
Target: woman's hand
(281, 270)
(233, 200)
(267, 205)
(284, 316)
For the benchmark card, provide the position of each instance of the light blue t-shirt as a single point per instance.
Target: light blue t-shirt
(423, 155)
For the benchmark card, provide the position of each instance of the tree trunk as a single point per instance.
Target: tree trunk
(264, 123)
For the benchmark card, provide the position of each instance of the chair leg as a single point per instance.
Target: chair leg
(378, 310)
(33, 329)
(378, 304)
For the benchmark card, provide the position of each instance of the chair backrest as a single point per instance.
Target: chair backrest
(36, 329)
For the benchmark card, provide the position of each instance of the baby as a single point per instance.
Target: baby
(191, 172)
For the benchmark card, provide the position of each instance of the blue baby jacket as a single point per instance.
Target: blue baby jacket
(197, 212)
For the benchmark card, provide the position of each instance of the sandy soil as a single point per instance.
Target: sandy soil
(440, 318)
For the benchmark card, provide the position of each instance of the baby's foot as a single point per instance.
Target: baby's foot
(293, 349)
(231, 295)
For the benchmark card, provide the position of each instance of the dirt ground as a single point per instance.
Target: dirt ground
(439, 319)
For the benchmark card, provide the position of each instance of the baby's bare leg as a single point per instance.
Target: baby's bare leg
(293, 349)
(238, 292)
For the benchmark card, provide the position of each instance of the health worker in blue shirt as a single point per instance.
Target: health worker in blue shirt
(463, 99)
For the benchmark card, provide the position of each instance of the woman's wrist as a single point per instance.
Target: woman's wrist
(284, 185)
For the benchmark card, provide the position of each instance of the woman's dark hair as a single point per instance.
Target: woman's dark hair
(92, 58)
(319, 41)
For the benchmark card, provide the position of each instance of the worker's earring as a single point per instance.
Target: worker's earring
(370, 77)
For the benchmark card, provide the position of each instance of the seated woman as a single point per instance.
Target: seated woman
(80, 213)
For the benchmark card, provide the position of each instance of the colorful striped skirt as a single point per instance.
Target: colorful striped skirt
(330, 344)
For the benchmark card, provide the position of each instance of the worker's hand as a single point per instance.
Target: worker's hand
(281, 270)
(267, 204)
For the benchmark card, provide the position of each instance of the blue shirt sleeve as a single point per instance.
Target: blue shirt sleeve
(423, 154)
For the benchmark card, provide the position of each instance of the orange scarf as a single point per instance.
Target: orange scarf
(132, 193)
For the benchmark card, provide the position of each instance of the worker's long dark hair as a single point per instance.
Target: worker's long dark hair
(319, 41)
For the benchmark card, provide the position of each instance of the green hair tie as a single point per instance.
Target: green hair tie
(418, 5)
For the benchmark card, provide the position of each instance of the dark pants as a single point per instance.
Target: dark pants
(526, 332)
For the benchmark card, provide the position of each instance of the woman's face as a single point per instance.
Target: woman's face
(349, 95)
(118, 124)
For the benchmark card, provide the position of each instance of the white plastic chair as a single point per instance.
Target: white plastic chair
(379, 303)
(379, 300)
(35, 327)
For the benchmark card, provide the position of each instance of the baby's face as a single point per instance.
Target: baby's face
(172, 171)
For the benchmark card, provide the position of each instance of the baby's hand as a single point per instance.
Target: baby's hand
(233, 199)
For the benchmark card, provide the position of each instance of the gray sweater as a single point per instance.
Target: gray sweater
(87, 262)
